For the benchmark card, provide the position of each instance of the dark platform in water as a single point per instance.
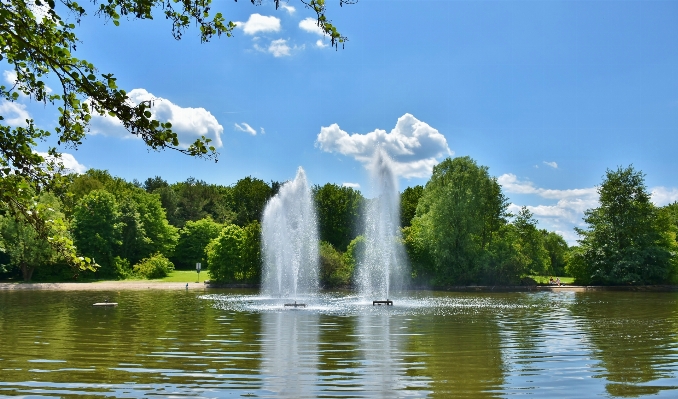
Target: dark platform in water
(387, 302)
(296, 305)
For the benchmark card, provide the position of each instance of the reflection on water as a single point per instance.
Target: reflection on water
(289, 346)
(633, 339)
(438, 345)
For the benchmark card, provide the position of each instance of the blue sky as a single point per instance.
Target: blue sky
(547, 94)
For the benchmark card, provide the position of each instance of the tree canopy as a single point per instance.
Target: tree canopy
(460, 209)
(628, 240)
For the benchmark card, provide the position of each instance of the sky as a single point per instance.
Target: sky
(547, 94)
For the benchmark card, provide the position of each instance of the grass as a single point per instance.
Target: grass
(184, 276)
(545, 280)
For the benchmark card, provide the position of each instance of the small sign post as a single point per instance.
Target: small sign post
(197, 269)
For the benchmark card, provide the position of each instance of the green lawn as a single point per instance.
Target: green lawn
(545, 280)
(185, 276)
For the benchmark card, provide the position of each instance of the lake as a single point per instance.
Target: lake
(233, 343)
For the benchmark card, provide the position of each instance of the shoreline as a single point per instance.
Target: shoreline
(157, 285)
(101, 286)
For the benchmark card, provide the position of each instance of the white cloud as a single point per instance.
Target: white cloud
(511, 184)
(563, 215)
(71, 165)
(413, 145)
(39, 12)
(15, 114)
(568, 210)
(664, 195)
(262, 130)
(351, 185)
(288, 8)
(10, 76)
(259, 23)
(554, 165)
(310, 25)
(189, 123)
(279, 48)
(321, 44)
(244, 127)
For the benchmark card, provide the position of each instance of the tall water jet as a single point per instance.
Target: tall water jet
(290, 241)
(383, 266)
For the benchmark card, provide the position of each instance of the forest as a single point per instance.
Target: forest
(456, 230)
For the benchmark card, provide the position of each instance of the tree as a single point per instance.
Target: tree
(153, 183)
(225, 255)
(169, 199)
(96, 229)
(334, 271)
(195, 199)
(458, 213)
(627, 240)
(531, 243)
(558, 251)
(409, 199)
(143, 225)
(39, 44)
(23, 245)
(670, 212)
(194, 238)
(158, 235)
(338, 211)
(252, 261)
(249, 197)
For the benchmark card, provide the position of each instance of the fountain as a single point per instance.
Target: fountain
(382, 269)
(290, 241)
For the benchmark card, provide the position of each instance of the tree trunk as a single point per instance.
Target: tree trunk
(27, 271)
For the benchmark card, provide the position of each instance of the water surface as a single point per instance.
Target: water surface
(236, 344)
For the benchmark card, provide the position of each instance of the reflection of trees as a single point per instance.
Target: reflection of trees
(171, 339)
(461, 353)
(633, 336)
(289, 346)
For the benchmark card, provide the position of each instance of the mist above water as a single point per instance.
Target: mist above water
(290, 241)
(382, 268)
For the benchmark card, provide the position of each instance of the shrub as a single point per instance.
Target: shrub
(335, 271)
(157, 266)
(225, 255)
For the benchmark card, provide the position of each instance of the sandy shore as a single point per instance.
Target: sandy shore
(102, 286)
(154, 285)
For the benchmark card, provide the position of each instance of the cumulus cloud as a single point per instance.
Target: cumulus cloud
(413, 145)
(351, 185)
(10, 76)
(259, 23)
(279, 48)
(567, 212)
(511, 184)
(561, 216)
(244, 127)
(189, 123)
(15, 114)
(288, 8)
(664, 195)
(71, 165)
(320, 43)
(551, 164)
(310, 25)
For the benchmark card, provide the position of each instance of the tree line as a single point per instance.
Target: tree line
(456, 231)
